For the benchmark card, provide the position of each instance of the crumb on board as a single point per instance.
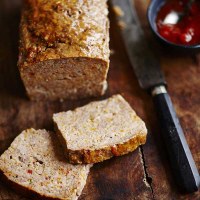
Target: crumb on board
(61, 100)
(112, 52)
(118, 11)
(121, 24)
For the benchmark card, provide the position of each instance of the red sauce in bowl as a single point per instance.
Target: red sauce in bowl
(187, 30)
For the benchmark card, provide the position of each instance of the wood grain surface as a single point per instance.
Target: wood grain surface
(143, 174)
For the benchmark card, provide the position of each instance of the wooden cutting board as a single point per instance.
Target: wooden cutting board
(143, 174)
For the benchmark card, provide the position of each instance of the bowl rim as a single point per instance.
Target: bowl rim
(153, 28)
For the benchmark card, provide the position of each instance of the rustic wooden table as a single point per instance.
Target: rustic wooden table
(143, 174)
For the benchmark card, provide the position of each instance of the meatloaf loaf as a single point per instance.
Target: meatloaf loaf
(64, 48)
(34, 165)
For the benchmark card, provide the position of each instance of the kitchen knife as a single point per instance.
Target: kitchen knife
(150, 77)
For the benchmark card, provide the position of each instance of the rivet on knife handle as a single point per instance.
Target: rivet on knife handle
(182, 162)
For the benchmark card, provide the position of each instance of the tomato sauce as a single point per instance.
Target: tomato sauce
(187, 29)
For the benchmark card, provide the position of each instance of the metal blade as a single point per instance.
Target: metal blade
(143, 61)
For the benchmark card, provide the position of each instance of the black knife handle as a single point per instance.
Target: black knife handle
(181, 160)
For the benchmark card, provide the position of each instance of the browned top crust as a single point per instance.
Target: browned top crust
(53, 29)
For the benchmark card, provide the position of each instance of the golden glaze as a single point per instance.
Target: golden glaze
(53, 29)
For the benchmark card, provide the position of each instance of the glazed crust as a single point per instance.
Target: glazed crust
(58, 29)
(98, 155)
(54, 30)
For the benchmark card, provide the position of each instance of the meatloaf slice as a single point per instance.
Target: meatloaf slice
(100, 130)
(34, 162)
(64, 48)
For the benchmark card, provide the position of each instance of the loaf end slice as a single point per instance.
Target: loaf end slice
(100, 130)
(34, 162)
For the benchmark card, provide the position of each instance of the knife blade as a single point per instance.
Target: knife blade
(140, 54)
(150, 77)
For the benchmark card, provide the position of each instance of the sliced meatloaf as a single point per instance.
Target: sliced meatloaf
(34, 162)
(64, 48)
(100, 130)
